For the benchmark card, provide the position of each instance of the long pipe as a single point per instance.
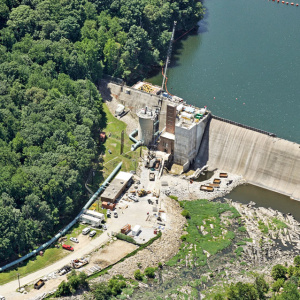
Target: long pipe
(137, 143)
(61, 233)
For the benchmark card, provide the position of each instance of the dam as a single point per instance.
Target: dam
(261, 158)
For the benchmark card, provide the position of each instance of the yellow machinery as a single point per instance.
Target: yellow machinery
(142, 193)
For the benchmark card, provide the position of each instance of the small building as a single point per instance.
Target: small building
(117, 187)
(95, 222)
(166, 143)
(136, 230)
(94, 214)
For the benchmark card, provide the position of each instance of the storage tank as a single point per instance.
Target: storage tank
(146, 123)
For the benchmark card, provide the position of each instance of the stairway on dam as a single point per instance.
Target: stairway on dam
(265, 161)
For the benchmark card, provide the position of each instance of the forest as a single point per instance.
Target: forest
(52, 55)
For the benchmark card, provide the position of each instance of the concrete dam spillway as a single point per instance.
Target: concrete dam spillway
(263, 160)
(266, 161)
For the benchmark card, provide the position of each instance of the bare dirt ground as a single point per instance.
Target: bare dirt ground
(111, 254)
(160, 251)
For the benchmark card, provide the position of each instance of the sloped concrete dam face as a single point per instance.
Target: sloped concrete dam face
(266, 161)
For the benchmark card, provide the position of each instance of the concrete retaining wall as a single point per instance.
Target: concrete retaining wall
(134, 99)
(263, 160)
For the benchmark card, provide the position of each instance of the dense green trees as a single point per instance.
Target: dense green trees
(52, 53)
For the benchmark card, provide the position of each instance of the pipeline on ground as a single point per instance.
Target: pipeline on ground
(64, 231)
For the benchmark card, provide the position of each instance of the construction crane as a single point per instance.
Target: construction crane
(169, 55)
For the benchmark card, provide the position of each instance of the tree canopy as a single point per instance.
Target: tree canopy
(52, 55)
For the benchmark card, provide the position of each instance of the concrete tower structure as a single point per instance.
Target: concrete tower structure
(147, 125)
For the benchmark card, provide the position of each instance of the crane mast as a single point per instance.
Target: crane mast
(169, 55)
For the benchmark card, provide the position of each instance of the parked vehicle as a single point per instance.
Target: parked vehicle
(93, 233)
(68, 247)
(108, 213)
(151, 176)
(74, 240)
(223, 175)
(104, 227)
(115, 214)
(2, 297)
(134, 198)
(86, 230)
(37, 285)
(206, 188)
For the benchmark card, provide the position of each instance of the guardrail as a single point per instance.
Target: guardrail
(64, 231)
(244, 126)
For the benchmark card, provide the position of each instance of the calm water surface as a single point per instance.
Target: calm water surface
(265, 198)
(244, 64)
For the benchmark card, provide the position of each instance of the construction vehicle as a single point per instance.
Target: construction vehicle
(142, 193)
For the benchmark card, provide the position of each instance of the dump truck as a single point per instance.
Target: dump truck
(223, 175)
(206, 188)
(217, 180)
(39, 284)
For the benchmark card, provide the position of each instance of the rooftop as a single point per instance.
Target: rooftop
(147, 113)
(168, 135)
(147, 87)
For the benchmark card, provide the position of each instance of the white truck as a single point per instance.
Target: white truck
(119, 110)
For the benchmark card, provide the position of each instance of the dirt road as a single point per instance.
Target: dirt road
(8, 290)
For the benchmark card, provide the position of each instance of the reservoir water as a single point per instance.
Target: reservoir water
(244, 64)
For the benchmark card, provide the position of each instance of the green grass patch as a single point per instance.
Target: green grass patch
(239, 251)
(248, 240)
(263, 227)
(216, 237)
(113, 143)
(242, 229)
(50, 256)
(126, 238)
(173, 197)
(279, 224)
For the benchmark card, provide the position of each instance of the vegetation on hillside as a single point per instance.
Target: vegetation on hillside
(52, 52)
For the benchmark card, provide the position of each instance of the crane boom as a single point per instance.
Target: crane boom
(169, 55)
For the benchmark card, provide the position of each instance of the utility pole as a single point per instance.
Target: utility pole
(169, 55)
(122, 142)
(19, 281)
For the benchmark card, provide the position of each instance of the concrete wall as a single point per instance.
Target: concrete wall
(187, 142)
(266, 161)
(135, 100)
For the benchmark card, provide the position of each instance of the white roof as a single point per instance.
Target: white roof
(124, 176)
(168, 135)
(136, 228)
(94, 214)
(87, 217)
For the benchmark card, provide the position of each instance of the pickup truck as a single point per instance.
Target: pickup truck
(68, 247)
